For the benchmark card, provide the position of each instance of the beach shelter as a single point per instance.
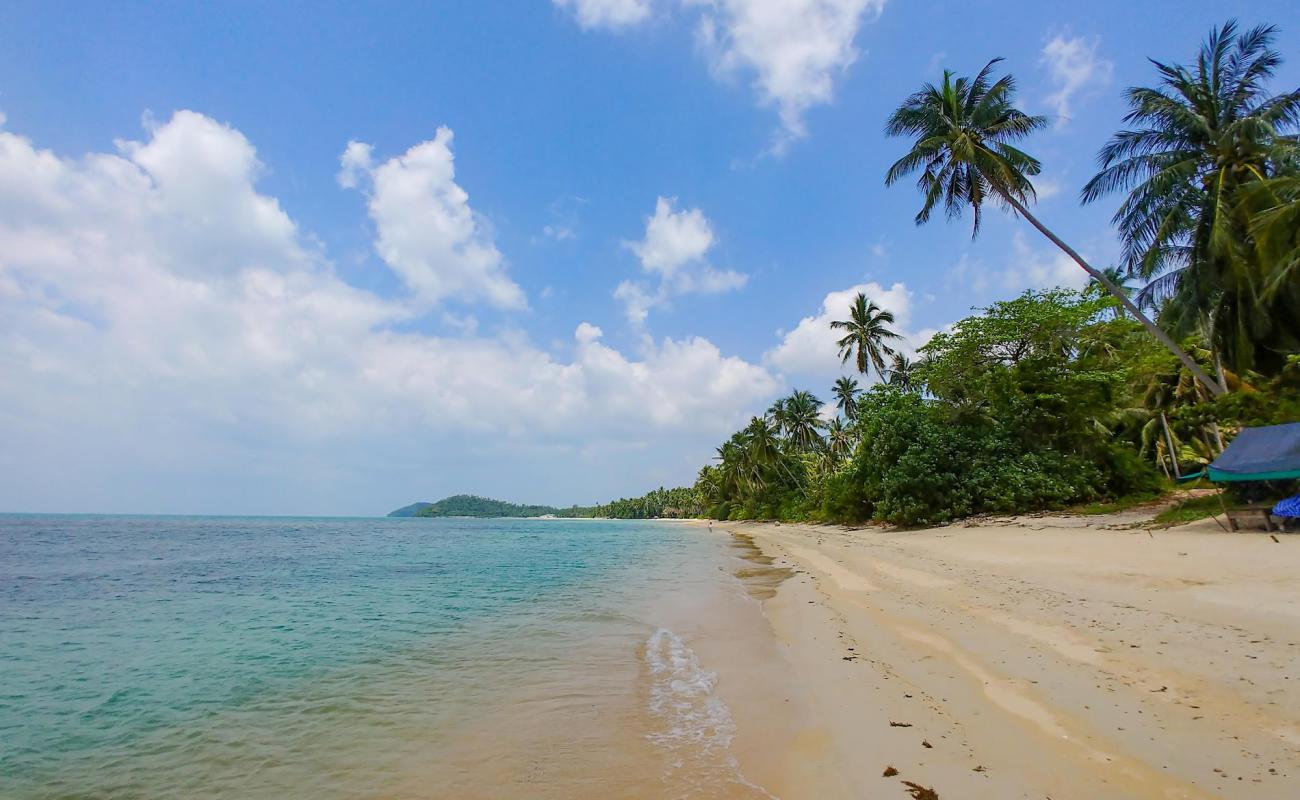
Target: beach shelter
(1269, 453)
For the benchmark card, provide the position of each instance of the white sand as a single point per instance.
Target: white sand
(1051, 657)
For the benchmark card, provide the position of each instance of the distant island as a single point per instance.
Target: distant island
(469, 505)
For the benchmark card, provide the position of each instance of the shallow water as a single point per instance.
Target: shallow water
(339, 658)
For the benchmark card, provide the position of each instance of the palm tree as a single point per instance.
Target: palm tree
(762, 450)
(1276, 229)
(964, 132)
(846, 397)
(867, 334)
(734, 477)
(902, 373)
(1120, 279)
(839, 441)
(803, 422)
(1200, 140)
(779, 415)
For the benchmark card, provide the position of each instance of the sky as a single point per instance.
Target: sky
(332, 258)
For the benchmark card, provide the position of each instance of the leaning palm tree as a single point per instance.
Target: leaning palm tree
(866, 335)
(846, 397)
(1200, 141)
(964, 132)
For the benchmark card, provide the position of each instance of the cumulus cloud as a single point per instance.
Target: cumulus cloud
(428, 233)
(789, 50)
(793, 49)
(809, 348)
(168, 333)
(672, 238)
(355, 164)
(673, 250)
(1074, 68)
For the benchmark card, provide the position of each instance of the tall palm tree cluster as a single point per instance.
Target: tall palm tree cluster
(793, 446)
(1211, 165)
(1207, 168)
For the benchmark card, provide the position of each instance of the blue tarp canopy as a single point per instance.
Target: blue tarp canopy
(1260, 454)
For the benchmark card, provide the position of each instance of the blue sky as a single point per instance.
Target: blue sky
(331, 258)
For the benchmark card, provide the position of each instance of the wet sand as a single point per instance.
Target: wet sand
(1061, 657)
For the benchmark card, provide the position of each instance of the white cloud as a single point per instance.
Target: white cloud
(1073, 67)
(673, 249)
(560, 233)
(355, 164)
(672, 238)
(167, 335)
(428, 233)
(809, 349)
(1046, 188)
(1039, 269)
(792, 48)
(611, 14)
(791, 51)
(1027, 268)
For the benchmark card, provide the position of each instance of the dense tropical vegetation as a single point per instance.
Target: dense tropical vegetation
(1058, 397)
(469, 505)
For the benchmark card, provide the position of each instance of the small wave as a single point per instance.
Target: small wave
(694, 725)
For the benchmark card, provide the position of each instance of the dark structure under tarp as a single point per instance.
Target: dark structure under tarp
(1269, 453)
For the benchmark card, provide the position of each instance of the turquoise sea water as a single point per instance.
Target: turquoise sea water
(276, 657)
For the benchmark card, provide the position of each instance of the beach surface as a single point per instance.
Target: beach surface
(1030, 657)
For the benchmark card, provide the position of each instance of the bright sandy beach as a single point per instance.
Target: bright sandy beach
(1036, 657)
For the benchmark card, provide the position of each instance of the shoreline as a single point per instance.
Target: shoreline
(1059, 656)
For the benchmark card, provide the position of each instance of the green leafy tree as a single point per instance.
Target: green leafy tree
(964, 132)
(866, 335)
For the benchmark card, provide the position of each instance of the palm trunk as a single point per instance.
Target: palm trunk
(1169, 444)
(1217, 389)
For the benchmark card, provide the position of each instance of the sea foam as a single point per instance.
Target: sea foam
(695, 727)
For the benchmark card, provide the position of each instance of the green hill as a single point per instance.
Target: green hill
(413, 510)
(468, 505)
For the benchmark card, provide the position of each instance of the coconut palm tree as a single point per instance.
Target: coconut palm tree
(839, 441)
(1276, 230)
(779, 415)
(902, 373)
(803, 422)
(1120, 278)
(846, 397)
(731, 468)
(1199, 139)
(762, 450)
(866, 335)
(964, 131)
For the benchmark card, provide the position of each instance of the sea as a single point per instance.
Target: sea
(250, 657)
